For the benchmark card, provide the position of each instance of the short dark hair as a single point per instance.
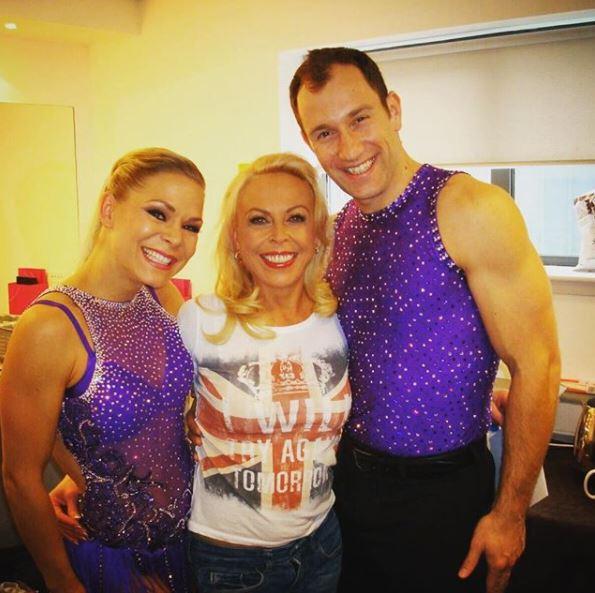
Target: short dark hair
(315, 72)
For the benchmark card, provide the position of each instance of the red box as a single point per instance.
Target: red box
(20, 296)
(38, 273)
(184, 286)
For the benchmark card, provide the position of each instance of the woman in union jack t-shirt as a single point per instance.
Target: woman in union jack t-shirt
(272, 391)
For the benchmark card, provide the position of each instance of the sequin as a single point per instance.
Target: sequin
(126, 431)
(421, 364)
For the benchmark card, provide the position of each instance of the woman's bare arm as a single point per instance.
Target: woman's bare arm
(39, 365)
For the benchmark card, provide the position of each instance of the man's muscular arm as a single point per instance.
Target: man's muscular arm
(485, 235)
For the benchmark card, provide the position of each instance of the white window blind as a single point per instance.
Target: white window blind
(508, 99)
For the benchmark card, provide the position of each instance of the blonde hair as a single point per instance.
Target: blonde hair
(129, 172)
(234, 285)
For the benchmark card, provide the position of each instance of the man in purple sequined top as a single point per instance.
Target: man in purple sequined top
(436, 281)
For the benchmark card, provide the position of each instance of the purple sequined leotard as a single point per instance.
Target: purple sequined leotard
(123, 422)
(421, 363)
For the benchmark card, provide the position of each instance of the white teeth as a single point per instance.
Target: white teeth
(278, 258)
(360, 168)
(156, 257)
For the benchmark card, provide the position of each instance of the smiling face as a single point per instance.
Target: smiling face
(354, 135)
(274, 232)
(154, 229)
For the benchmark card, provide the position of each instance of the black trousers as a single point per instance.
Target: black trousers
(409, 531)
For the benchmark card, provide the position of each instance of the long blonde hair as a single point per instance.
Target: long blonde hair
(234, 284)
(129, 172)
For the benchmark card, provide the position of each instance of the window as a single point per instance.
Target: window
(545, 196)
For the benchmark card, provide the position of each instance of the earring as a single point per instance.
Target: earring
(317, 249)
(236, 255)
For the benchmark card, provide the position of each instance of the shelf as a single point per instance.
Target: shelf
(566, 280)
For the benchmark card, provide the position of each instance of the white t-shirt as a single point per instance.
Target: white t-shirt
(271, 413)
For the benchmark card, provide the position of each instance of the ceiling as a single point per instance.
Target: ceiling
(71, 21)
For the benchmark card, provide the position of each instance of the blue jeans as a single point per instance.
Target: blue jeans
(311, 564)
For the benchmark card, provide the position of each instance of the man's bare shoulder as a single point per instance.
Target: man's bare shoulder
(473, 197)
(474, 216)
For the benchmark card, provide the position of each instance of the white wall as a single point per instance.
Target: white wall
(38, 194)
(52, 73)
(576, 331)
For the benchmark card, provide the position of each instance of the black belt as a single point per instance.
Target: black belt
(369, 460)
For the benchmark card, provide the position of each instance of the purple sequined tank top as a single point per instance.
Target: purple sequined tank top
(126, 428)
(421, 364)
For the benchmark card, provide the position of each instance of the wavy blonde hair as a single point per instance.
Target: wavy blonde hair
(234, 285)
(130, 171)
